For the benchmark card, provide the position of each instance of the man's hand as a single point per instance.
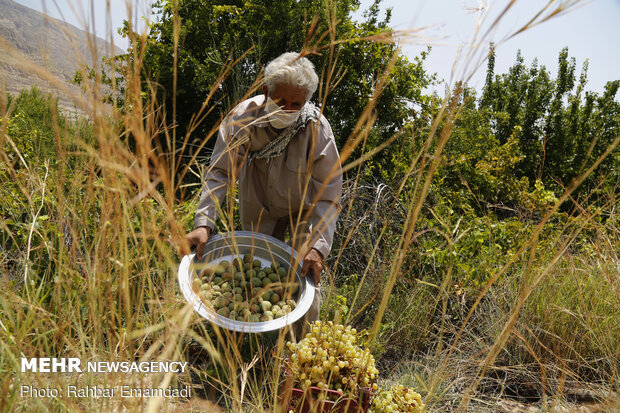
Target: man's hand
(199, 238)
(313, 263)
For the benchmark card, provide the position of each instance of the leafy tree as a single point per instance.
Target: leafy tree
(33, 121)
(599, 122)
(537, 100)
(559, 131)
(223, 47)
(559, 145)
(30, 126)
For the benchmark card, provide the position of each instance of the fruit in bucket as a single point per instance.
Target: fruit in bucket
(244, 290)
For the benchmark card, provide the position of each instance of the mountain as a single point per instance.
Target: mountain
(36, 49)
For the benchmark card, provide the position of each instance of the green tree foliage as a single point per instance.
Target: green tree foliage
(29, 125)
(33, 122)
(237, 38)
(35, 173)
(533, 132)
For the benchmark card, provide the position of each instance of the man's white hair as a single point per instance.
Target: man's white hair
(290, 69)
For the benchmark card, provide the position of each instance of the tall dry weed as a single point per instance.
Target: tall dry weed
(96, 279)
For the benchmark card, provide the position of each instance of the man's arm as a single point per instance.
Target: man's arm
(325, 189)
(227, 156)
(221, 174)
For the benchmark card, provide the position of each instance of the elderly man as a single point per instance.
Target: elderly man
(281, 150)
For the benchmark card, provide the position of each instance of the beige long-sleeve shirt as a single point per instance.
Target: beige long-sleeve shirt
(305, 177)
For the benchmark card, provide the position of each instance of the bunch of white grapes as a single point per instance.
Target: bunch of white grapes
(329, 357)
(398, 399)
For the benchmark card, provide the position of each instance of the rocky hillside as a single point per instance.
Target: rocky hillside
(36, 49)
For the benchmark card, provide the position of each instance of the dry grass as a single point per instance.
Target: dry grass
(96, 280)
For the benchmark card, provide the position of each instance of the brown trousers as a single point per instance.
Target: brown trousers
(299, 241)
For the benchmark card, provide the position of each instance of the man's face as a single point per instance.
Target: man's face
(286, 96)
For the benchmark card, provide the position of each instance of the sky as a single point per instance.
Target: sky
(590, 31)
